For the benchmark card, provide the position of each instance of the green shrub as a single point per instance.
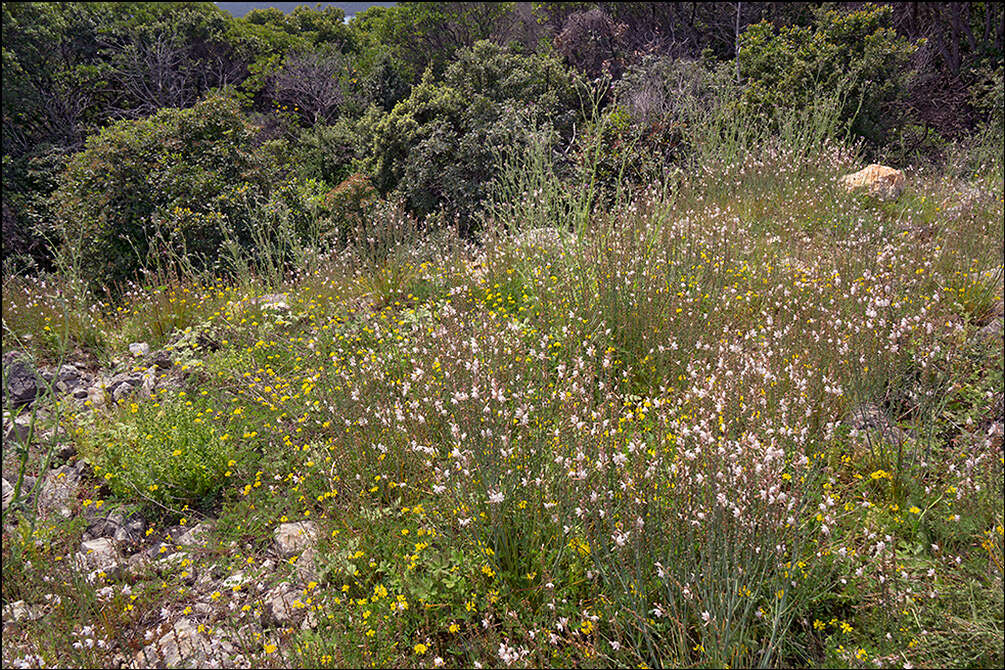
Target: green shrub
(439, 146)
(855, 54)
(350, 205)
(173, 453)
(180, 168)
(329, 152)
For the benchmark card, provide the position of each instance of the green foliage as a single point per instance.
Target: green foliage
(424, 35)
(854, 54)
(183, 167)
(168, 456)
(328, 152)
(437, 146)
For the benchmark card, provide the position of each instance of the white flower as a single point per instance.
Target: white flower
(496, 497)
(706, 617)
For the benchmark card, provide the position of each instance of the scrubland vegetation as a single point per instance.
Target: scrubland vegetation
(557, 358)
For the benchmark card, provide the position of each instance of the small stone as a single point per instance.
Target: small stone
(96, 396)
(139, 349)
(68, 378)
(196, 535)
(282, 604)
(8, 494)
(99, 554)
(66, 451)
(161, 360)
(59, 489)
(181, 646)
(19, 430)
(137, 563)
(20, 611)
(291, 538)
(275, 301)
(236, 579)
(306, 566)
(870, 418)
(21, 382)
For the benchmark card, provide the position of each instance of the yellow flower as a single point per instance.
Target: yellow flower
(420, 648)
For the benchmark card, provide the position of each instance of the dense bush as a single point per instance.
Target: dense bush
(329, 152)
(350, 206)
(439, 146)
(855, 54)
(184, 167)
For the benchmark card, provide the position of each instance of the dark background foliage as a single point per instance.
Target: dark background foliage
(418, 98)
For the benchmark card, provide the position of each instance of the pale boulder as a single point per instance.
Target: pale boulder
(881, 181)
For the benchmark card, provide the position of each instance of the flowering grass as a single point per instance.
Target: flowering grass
(633, 447)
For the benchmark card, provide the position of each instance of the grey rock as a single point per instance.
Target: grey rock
(994, 330)
(21, 381)
(21, 611)
(197, 535)
(137, 563)
(66, 451)
(139, 349)
(871, 419)
(236, 579)
(161, 360)
(275, 301)
(282, 606)
(59, 489)
(96, 395)
(127, 530)
(291, 538)
(68, 378)
(18, 430)
(8, 494)
(306, 565)
(99, 554)
(182, 645)
(131, 379)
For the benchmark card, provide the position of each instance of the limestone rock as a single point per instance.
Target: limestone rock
(282, 606)
(59, 489)
(99, 554)
(21, 611)
(181, 646)
(18, 430)
(21, 382)
(123, 528)
(291, 538)
(196, 535)
(68, 378)
(96, 395)
(236, 579)
(275, 301)
(306, 565)
(870, 418)
(161, 360)
(8, 494)
(139, 349)
(881, 181)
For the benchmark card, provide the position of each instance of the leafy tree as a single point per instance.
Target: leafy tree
(424, 35)
(438, 147)
(855, 54)
(176, 175)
